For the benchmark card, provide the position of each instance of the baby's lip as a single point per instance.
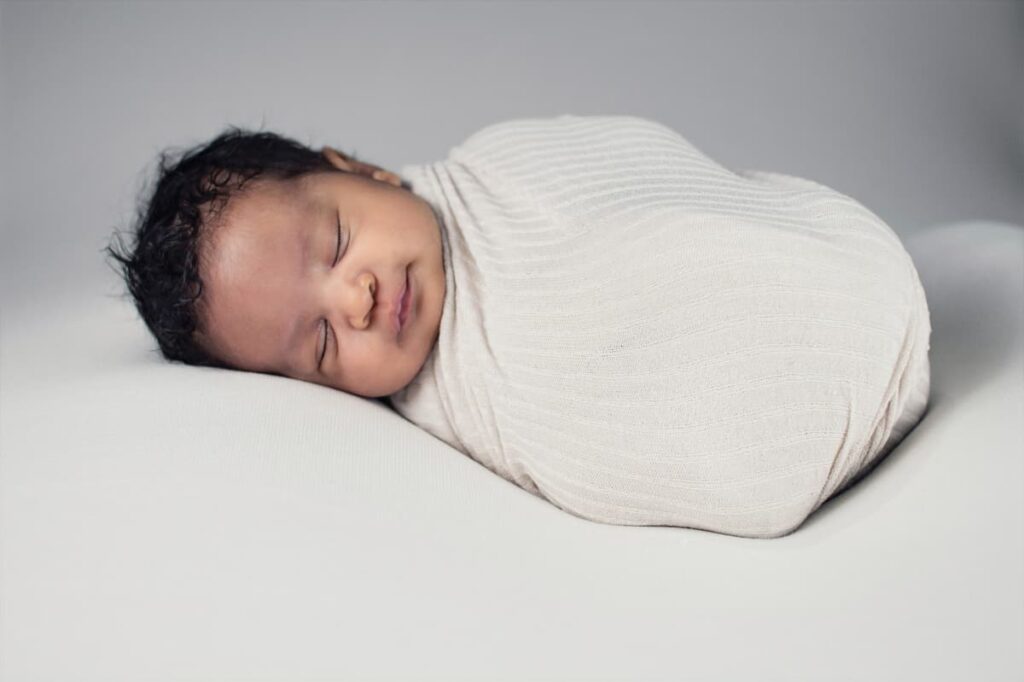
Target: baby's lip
(396, 304)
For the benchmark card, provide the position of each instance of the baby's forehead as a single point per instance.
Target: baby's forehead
(262, 204)
(265, 213)
(274, 195)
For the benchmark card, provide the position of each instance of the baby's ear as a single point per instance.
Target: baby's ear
(342, 162)
(337, 159)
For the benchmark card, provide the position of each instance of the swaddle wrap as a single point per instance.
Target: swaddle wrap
(642, 336)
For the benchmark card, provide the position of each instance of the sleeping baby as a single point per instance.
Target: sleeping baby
(588, 306)
(309, 265)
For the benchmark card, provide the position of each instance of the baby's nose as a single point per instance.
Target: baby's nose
(366, 301)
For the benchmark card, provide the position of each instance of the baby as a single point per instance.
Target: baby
(257, 253)
(643, 335)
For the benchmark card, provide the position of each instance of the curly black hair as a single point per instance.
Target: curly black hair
(162, 269)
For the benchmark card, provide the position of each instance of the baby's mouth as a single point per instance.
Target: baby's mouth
(406, 305)
(401, 306)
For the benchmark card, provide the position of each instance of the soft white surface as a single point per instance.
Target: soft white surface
(162, 522)
(643, 336)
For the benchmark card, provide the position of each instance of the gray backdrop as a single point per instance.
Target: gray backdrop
(914, 108)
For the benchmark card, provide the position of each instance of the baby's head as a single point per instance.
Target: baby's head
(257, 253)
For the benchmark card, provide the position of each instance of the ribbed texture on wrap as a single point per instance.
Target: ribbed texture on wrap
(642, 336)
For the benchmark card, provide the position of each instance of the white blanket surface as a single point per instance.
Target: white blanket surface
(642, 336)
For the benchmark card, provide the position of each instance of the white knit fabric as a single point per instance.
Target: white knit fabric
(642, 336)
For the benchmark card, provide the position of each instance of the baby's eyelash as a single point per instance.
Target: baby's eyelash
(327, 332)
(327, 327)
(337, 253)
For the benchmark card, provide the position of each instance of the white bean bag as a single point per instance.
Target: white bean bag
(162, 522)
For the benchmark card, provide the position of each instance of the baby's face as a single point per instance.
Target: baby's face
(276, 300)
